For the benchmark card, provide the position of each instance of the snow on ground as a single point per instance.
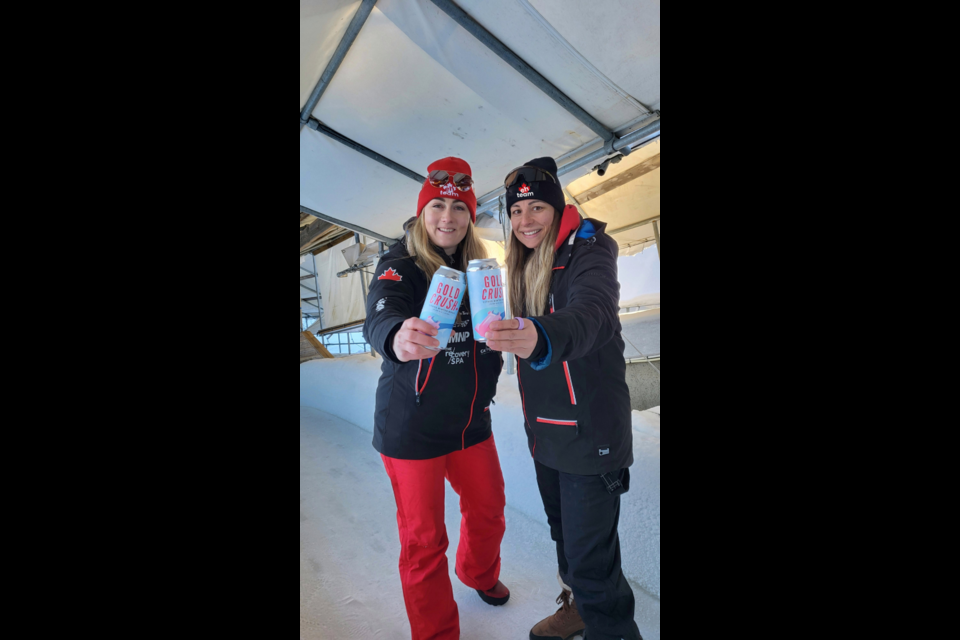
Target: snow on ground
(346, 388)
(349, 547)
(641, 334)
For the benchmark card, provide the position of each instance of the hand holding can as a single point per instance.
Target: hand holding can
(485, 284)
(416, 340)
(442, 306)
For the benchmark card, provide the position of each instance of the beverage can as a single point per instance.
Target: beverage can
(485, 284)
(444, 298)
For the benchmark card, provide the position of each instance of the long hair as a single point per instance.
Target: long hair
(424, 252)
(529, 272)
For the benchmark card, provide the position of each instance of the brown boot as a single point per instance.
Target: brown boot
(562, 625)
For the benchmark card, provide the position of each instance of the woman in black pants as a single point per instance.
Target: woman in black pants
(564, 290)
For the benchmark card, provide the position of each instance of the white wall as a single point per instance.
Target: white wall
(346, 388)
(639, 278)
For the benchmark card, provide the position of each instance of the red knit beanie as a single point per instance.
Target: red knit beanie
(453, 166)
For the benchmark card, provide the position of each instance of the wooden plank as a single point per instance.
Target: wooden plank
(312, 232)
(329, 245)
(350, 325)
(637, 172)
(322, 350)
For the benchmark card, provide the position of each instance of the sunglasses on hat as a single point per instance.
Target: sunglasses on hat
(461, 180)
(527, 174)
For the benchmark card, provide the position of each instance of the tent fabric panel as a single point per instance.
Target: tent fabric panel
(322, 26)
(444, 94)
(342, 297)
(627, 204)
(469, 60)
(339, 182)
(594, 179)
(621, 38)
(532, 34)
(631, 203)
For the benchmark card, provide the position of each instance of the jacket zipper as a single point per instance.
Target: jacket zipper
(566, 367)
(416, 382)
(476, 390)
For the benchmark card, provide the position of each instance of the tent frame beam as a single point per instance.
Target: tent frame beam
(486, 38)
(349, 226)
(359, 19)
(319, 127)
(653, 220)
(488, 202)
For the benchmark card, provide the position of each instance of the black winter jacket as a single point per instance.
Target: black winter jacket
(575, 396)
(430, 408)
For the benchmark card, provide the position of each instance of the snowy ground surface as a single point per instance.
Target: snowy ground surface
(641, 334)
(346, 388)
(349, 547)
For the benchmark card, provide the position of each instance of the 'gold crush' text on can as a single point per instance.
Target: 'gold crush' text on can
(485, 284)
(444, 298)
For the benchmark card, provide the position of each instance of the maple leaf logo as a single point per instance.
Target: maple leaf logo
(391, 274)
(524, 189)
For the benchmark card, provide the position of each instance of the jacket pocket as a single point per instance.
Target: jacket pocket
(561, 423)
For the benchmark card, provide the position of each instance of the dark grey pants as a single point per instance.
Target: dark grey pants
(584, 516)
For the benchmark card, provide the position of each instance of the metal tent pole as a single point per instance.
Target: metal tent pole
(488, 202)
(316, 279)
(656, 232)
(363, 280)
(510, 364)
(319, 127)
(359, 19)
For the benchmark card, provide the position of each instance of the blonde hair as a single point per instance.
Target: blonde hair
(424, 252)
(530, 272)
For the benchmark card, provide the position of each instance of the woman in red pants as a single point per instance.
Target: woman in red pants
(432, 412)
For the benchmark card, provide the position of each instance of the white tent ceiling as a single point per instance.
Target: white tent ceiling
(416, 86)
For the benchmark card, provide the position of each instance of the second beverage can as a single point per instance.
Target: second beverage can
(485, 284)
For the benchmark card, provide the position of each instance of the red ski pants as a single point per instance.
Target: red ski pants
(419, 490)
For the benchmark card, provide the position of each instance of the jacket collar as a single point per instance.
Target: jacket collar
(453, 261)
(569, 223)
(566, 246)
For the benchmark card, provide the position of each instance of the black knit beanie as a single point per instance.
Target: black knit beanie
(546, 190)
